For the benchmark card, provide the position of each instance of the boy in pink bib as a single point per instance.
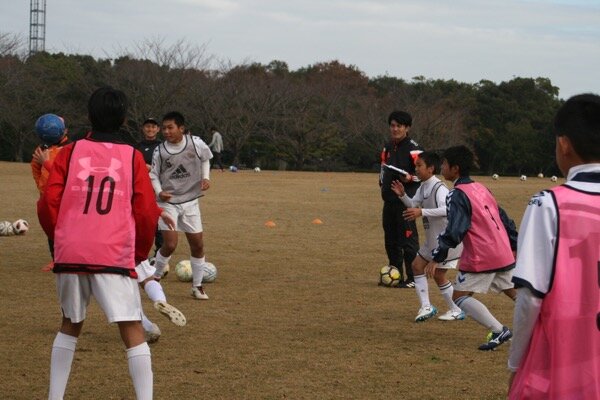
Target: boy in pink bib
(555, 353)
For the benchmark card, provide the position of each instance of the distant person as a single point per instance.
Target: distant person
(101, 212)
(400, 236)
(430, 203)
(180, 173)
(489, 238)
(555, 352)
(52, 132)
(150, 130)
(216, 145)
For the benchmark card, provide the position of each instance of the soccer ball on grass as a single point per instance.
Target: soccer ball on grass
(523, 178)
(210, 273)
(20, 227)
(183, 271)
(495, 177)
(389, 276)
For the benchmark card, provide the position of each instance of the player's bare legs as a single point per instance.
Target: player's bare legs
(512, 293)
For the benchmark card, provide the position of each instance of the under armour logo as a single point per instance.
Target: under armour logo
(87, 170)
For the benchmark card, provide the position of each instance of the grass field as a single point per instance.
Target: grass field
(295, 312)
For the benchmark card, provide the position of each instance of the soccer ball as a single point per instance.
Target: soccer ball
(166, 269)
(554, 178)
(389, 276)
(540, 175)
(210, 273)
(50, 128)
(183, 271)
(523, 178)
(233, 168)
(20, 227)
(495, 177)
(256, 169)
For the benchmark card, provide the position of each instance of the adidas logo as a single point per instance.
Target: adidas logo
(180, 173)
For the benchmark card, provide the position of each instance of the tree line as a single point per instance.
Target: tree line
(326, 116)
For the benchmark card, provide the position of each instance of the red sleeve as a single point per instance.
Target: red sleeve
(145, 210)
(49, 203)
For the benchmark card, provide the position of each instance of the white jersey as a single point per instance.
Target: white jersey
(179, 168)
(431, 197)
(538, 235)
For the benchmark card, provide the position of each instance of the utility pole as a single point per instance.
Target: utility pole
(37, 26)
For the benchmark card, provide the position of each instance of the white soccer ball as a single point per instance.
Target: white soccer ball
(523, 178)
(233, 168)
(20, 227)
(210, 273)
(389, 276)
(256, 169)
(540, 175)
(554, 178)
(183, 271)
(495, 177)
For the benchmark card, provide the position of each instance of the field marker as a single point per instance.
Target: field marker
(270, 224)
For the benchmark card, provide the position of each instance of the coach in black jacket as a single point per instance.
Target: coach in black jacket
(401, 237)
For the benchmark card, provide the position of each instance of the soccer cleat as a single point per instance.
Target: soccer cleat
(425, 313)
(497, 339)
(452, 316)
(407, 284)
(174, 315)
(153, 334)
(198, 293)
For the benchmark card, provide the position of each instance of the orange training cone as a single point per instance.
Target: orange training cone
(317, 221)
(270, 224)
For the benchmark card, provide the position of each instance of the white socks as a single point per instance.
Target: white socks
(155, 291)
(146, 323)
(160, 262)
(63, 350)
(446, 291)
(479, 312)
(422, 289)
(197, 270)
(140, 369)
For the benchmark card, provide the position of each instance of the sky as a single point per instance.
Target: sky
(465, 40)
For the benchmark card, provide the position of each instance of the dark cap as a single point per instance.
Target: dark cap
(150, 121)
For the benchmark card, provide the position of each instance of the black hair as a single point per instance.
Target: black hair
(401, 117)
(174, 116)
(579, 120)
(431, 159)
(107, 109)
(462, 157)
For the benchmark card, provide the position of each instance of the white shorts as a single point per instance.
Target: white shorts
(117, 295)
(186, 215)
(144, 271)
(425, 254)
(482, 282)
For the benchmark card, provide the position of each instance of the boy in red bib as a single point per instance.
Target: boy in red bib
(100, 210)
(555, 353)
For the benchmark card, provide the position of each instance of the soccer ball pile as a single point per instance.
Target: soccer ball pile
(389, 276)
